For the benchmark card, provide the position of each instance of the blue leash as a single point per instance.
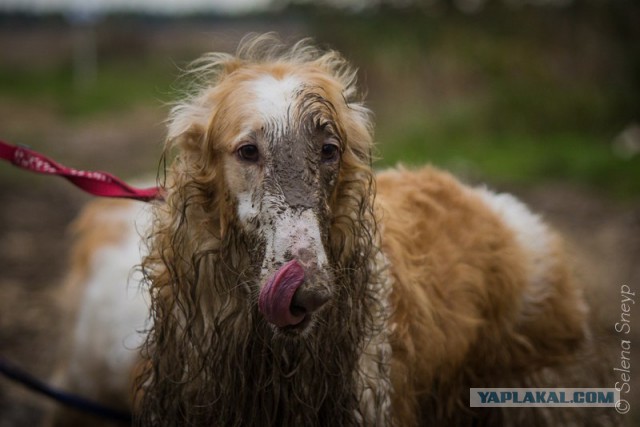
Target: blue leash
(18, 375)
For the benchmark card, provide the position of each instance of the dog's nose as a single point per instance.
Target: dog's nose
(306, 301)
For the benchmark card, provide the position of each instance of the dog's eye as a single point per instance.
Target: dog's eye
(249, 152)
(329, 152)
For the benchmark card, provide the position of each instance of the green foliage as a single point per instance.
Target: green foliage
(510, 95)
(119, 84)
(513, 157)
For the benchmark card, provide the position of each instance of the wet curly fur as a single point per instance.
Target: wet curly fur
(212, 359)
(433, 291)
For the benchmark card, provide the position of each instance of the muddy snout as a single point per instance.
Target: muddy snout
(293, 293)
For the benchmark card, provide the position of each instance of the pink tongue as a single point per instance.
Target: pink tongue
(275, 297)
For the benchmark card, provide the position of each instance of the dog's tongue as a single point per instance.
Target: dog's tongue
(275, 297)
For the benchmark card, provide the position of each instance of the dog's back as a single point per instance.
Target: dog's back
(482, 297)
(107, 309)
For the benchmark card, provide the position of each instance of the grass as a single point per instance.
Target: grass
(512, 157)
(512, 100)
(465, 136)
(505, 96)
(460, 137)
(119, 84)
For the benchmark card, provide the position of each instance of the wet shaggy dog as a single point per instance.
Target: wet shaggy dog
(288, 284)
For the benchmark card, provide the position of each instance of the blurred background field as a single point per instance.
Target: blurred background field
(541, 98)
(514, 94)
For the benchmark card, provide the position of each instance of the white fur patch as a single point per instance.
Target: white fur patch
(292, 232)
(113, 310)
(246, 209)
(531, 234)
(274, 97)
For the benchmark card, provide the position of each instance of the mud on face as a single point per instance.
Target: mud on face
(282, 168)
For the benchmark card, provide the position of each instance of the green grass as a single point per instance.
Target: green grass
(118, 85)
(513, 157)
(508, 97)
(461, 136)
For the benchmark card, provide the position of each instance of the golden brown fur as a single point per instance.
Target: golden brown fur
(432, 291)
(459, 285)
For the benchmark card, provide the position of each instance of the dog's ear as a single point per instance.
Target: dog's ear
(196, 179)
(187, 125)
(189, 120)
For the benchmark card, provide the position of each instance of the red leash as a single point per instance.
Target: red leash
(97, 183)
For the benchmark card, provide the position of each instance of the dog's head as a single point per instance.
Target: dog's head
(278, 140)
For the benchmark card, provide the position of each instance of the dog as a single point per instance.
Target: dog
(283, 282)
